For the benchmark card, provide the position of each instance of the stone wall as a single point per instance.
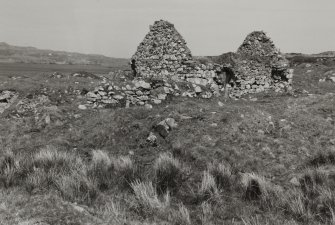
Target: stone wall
(165, 67)
(143, 92)
(163, 52)
(258, 64)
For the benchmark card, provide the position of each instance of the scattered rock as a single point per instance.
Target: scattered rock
(171, 123)
(294, 181)
(197, 89)
(148, 106)
(152, 139)
(165, 126)
(118, 97)
(142, 84)
(6, 99)
(261, 132)
(82, 107)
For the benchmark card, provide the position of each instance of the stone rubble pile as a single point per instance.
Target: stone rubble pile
(329, 76)
(142, 92)
(6, 99)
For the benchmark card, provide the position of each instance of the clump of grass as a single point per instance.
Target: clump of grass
(125, 170)
(295, 203)
(76, 187)
(322, 158)
(222, 175)
(208, 188)
(148, 199)
(257, 188)
(169, 173)
(253, 220)
(182, 216)
(101, 169)
(207, 213)
(50, 158)
(36, 180)
(106, 170)
(64, 172)
(314, 200)
(9, 170)
(112, 211)
(311, 180)
(324, 204)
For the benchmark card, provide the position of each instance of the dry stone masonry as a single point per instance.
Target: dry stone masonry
(165, 67)
(163, 52)
(259, 66)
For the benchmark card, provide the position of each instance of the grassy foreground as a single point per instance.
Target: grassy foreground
(268, 159)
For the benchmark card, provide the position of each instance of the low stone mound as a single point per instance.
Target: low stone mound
(140, 92)
(57, 75)
(6, 99)
(85, 74)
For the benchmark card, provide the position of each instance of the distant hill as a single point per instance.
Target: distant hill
(326, 54)
(16, 54)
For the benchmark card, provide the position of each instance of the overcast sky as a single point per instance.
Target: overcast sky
(210, 27)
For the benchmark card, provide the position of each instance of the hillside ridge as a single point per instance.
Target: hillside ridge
(19, 54)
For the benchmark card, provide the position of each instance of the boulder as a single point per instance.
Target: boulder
(152, 139)
(142, 84)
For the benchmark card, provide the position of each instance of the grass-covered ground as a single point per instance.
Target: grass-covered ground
(268, 159)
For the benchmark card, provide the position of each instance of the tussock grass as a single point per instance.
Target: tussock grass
(76, 187)
(10, 170)
(125, 170)
(66, 172)
(257, 188)
(50, 158)
(100, 169)
(257, 220)
(169, 173)
(222, 174)
(108, 171)
(208, 188)
(148, 199)
(112, 211)
(322, 158)
(207, 213)
(36, 180)
(295, 203)
(182, 216)
(314, 200)
(312, 180)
